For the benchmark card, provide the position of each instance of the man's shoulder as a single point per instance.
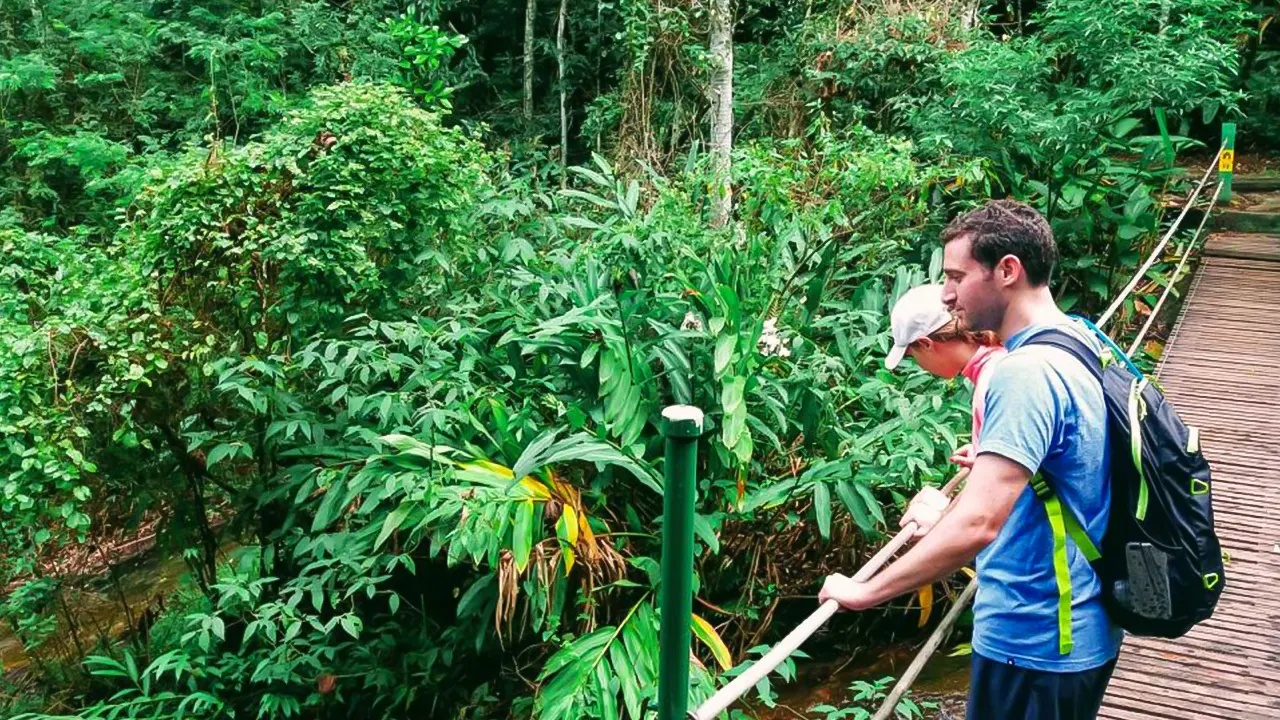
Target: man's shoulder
(1016, 368)
(1034, 339)
(1032, 353)
(1033, 373)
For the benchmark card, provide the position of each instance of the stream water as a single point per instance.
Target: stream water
(944, 680)
(97, 608)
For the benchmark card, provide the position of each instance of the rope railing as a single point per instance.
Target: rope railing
(1155, 253)
(1177, 274)
(732, 691)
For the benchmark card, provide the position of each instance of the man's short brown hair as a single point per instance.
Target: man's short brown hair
(1008, 227)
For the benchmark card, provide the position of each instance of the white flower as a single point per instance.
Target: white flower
(691, 322)
(771, 344)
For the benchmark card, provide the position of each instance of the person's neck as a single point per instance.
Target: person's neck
(1033, 307)
(960, 353)
(966, 355)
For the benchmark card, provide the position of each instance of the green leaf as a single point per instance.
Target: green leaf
(392, 523)
(872, 504)
(522, 534)
(608, 700)
(223, 450)
(608, 371)
(582, 447)
(857, 506)
(352, 625)
(589, 197)
(626, 675)
(565, 675)
(329, 506)
(575, 221)
(1125, 126)
(735, 411)
(337, 394)
(725, 345)
(702, 528)
(768, 496)
(534, 456)
(822, 508)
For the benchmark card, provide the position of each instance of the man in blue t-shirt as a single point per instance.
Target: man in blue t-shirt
(1044, 414)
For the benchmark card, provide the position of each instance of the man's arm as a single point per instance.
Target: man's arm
(972, 523)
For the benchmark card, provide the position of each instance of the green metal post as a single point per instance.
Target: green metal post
(1227, 163)
(682, 425)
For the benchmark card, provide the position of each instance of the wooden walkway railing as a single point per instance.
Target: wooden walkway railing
(1221, 369)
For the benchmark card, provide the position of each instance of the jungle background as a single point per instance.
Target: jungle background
(334, 333)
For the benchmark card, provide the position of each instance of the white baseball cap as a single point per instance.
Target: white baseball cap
(919, 313)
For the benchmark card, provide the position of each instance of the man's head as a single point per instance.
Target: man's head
(993, 256)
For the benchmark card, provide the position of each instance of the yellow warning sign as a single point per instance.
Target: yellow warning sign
(1227, 162)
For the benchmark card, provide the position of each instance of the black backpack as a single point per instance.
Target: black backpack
(1160, 562)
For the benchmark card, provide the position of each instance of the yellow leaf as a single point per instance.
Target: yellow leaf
(568, 560)
(588, 543)
(711, 639)
(535, 489)
(569, 520)
(495, 468)
(926, 604)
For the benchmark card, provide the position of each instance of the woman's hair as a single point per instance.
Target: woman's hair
(952, 331)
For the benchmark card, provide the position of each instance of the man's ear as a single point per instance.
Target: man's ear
(924, 343)
(1008, 270)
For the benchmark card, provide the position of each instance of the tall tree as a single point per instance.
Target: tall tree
(529, 11)
(721, 109)
(564, 118)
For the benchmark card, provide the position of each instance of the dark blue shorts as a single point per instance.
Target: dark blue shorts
(1000, 691)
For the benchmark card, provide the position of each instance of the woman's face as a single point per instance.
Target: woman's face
(944, 359)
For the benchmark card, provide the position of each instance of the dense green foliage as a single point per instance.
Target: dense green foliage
(298, 276)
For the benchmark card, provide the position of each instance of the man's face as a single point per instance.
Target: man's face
(970, 290)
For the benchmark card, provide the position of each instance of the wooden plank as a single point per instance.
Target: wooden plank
(1217, 370)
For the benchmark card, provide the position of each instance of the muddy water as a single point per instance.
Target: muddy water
(944, 680)
(97, 608)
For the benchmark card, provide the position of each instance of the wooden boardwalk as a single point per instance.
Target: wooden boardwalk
(1222, 372)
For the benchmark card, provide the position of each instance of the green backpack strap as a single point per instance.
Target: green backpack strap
(1063, 524)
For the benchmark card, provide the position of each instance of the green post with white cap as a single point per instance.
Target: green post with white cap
(682, 426)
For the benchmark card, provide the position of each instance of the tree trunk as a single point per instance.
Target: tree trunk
(564, 118)
(206, 569)
(599, 53)
(530, 10)
(970, 14)
(721, 110)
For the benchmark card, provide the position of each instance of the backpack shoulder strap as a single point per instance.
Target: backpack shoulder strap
(1063, 524)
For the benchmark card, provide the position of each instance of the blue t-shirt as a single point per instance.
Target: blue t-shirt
(1045, 410)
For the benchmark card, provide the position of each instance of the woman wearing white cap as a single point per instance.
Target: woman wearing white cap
(925, 330)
